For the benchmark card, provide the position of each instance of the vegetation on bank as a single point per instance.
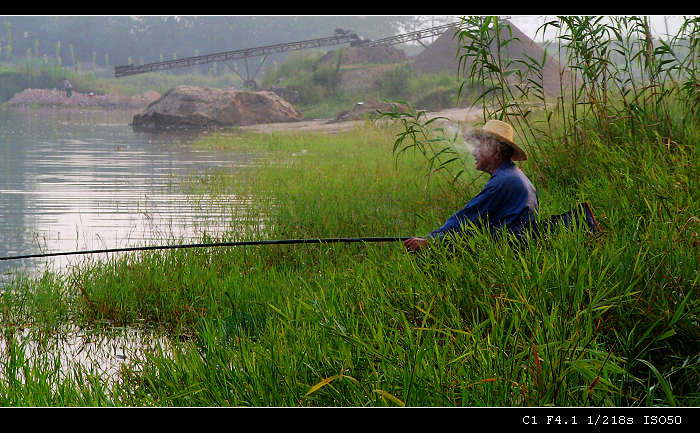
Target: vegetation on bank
(39, 75)
(318, 88)
(576, 321)
(323, 90)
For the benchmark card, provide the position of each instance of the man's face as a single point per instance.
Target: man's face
(484, 155)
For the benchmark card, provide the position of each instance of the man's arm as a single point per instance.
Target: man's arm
(472, 213)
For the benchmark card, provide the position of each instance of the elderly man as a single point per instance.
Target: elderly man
(68, 87)
(507, 200)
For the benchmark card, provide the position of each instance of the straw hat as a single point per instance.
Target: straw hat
(503, 132)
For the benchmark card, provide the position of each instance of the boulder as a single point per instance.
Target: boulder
(203, 107)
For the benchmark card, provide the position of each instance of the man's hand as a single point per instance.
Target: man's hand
(415, 244)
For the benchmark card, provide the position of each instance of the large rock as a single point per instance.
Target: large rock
(204, 107)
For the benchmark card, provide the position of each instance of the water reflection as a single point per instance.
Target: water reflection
(83, 179)
(102, 354)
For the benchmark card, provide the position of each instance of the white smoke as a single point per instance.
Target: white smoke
(456, 135)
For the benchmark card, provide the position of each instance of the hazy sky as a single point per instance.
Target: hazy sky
(530, 23)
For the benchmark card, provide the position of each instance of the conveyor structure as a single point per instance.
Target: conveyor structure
(340, 37)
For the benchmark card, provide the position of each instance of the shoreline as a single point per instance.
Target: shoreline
(54, 98)
(470, 114)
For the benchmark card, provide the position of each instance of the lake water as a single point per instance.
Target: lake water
(80, 180)
(83, 179)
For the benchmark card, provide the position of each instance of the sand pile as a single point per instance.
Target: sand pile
(365, 55)
(443, 55)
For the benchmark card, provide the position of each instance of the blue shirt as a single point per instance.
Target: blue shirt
(508, 199)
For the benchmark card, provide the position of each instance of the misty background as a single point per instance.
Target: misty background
(106, 41)
(102, 42)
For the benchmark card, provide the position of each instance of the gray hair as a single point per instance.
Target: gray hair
(504, 149)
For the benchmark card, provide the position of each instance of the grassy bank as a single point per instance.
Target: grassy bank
(610, 321)
(325, 89)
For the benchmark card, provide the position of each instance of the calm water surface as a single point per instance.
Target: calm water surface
(76, 180)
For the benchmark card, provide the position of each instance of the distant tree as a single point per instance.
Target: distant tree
(121, 37)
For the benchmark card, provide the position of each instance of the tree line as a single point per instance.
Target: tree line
(113, 40)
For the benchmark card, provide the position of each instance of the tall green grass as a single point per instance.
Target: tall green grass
(610, 321)
(626, 126)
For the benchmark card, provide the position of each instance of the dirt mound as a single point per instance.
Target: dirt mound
(58, 98)
(365, 55)
(358, 79)
(443, 55)
(185, 107)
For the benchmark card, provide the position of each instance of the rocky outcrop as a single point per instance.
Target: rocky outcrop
(191, 107)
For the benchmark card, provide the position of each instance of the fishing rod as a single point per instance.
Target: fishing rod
(215, 244)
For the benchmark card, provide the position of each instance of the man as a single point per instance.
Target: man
(507, 200)
(68, 87)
